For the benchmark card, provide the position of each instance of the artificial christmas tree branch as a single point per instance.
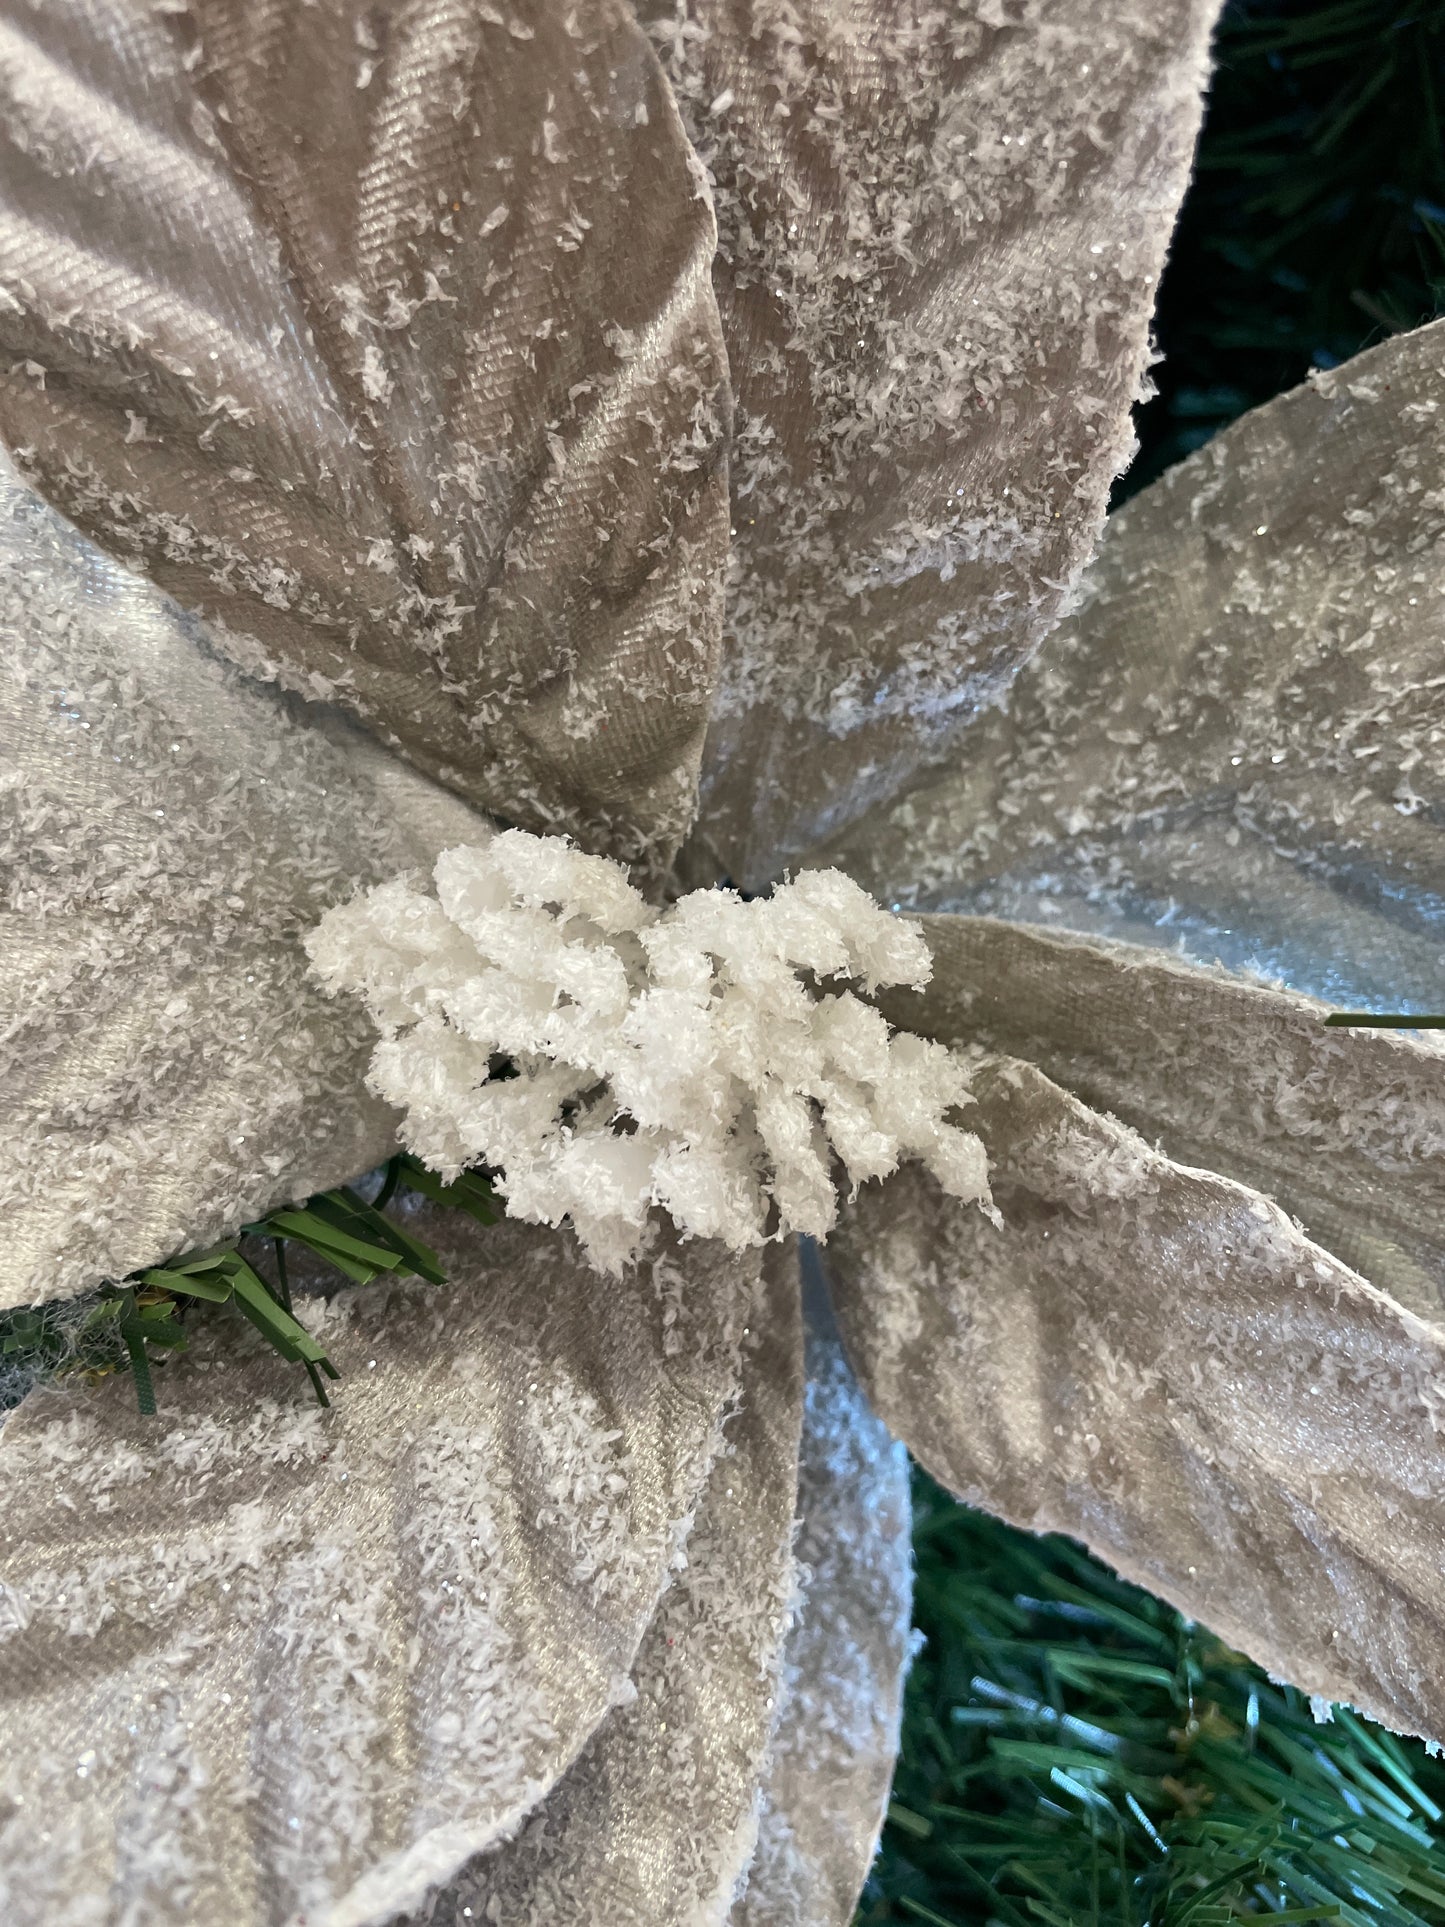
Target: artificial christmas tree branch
(114, 1329)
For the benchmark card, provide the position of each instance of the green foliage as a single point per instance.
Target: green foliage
(1077, 1755)
(116, 1329)
(1315, 225)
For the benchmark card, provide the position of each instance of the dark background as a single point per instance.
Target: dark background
(1315, 224)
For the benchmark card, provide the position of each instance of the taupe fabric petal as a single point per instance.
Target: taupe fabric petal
(383, 335)
(1159, 1362)
(260, 1661)
(168, 830)
(653, 1825)
(1234, 747)
(843, 1665)
(939, 235)
(1344, 1129)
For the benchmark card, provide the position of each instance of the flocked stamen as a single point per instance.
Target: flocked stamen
(686, 1058)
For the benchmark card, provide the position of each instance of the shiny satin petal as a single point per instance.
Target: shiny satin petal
(260, 1661)
(168, 832)
(384, 336)
(940, 231)
(843, 1667)
(653, 1825)
(1234, 747)
(1344, 1129)
(1159, 1362)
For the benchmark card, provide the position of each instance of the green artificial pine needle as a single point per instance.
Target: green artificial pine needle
(468, 1193)
(348, 1253)
(190, 1284)
(283, 1280)
(388, 1184)
(133, 1336)
(421, 1258)
(26, 1332)
(274, 1322)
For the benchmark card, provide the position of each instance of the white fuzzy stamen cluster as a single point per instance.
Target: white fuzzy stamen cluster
(686, 1058)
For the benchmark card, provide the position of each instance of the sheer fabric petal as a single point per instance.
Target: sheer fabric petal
(1234, 746)
(168, 830)
(384, 336)
(1344, 1129)
(653, 1825)
(939, 235)
(1159, 1362)
(844, 1662)
(260, 1661)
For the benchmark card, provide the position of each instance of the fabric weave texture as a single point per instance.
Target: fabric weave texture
(684, 429)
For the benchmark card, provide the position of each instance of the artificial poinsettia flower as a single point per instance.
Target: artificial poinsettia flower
(678, 430)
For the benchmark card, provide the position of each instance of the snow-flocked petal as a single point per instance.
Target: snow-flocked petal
(654, 1823)
(1343, 1128)
(260, 1661)
(385, 337)
(1235, 747)
(940, 230)
(168, 831)
(1159, 1362)
(843, 1665)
